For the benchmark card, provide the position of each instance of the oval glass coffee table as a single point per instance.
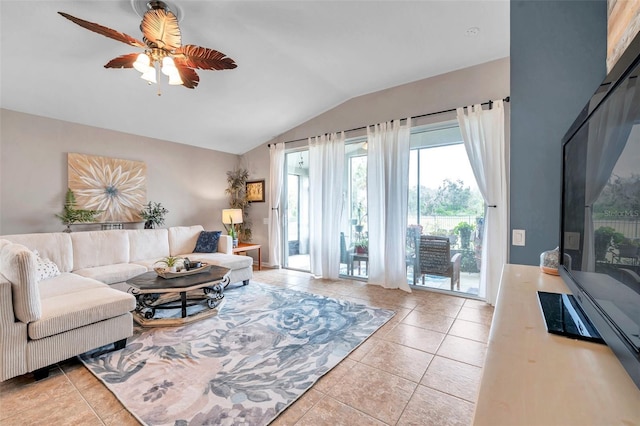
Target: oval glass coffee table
(203, 290)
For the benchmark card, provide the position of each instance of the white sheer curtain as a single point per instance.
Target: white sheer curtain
(276, 179)
(608, 135)
(483, 135)
(326, 177)
(387, 193)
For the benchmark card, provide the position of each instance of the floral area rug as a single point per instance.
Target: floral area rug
(263, 350)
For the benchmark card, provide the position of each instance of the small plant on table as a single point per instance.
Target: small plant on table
(171, 262)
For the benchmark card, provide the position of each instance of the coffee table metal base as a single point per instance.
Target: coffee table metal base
(207, 295)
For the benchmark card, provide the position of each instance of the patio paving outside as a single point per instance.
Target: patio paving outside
(469, 282)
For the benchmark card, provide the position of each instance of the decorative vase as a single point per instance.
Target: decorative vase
(549, 261)
(235, 242)
(148, 224)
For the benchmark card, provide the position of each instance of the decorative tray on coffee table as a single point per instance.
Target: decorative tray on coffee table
(168, 275)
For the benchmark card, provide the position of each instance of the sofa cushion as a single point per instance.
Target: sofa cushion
(54, 245)
(45, 268)
(150, 264)
(182, 239)
(230, 261)
(148, 244)
(18, 265)
(62, 284)
(207, 242)
(98, 248)
(110, 274)
(77, 302)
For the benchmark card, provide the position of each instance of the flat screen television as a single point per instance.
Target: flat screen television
(600, 215)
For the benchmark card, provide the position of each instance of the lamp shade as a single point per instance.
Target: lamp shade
(230, 216)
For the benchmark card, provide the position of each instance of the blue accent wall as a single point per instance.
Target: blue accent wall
(558, 60)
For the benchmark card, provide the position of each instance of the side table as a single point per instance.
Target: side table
(245, 247)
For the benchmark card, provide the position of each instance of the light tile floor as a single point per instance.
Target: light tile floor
(422, 368)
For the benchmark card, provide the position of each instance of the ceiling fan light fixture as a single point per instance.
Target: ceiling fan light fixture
(149, 75)
(169, 69)
(175, 79)
(168, 66)
(142, 63)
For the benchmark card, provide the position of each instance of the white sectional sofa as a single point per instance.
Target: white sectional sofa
(44, 321)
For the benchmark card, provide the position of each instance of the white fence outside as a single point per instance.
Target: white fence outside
(439, 224)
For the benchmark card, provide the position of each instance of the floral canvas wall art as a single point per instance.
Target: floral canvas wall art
(116, 187)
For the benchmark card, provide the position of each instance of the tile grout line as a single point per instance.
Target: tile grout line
(80, 393)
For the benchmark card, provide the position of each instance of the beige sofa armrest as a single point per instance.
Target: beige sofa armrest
(225, 244)
(13, 335)
(6, 303)
(18, 266)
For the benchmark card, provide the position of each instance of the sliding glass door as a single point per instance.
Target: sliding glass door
(296, 218)
(444, 201)
(354, 237)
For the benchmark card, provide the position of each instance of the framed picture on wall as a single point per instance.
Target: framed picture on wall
(255, 191)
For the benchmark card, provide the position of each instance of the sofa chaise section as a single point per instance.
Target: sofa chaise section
(46, 321)
(182, 242)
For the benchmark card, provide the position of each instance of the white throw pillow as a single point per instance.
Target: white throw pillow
(45, 268)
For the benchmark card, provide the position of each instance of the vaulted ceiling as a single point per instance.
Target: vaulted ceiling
(296, 59)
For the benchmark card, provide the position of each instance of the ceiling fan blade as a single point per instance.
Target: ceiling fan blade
(124, 61)
(107, 32)
(189, 77)
(204, 58)
(160, 29)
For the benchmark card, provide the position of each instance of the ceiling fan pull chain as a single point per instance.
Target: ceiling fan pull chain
(158, 77)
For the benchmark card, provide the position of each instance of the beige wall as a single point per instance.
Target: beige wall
(489, 81)
(188, 181)
(191, 181)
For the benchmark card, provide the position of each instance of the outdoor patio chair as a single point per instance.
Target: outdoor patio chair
(434, 258)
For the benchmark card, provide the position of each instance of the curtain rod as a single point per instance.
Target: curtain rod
(490, 103)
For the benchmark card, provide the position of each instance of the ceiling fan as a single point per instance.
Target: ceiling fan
(163, 49)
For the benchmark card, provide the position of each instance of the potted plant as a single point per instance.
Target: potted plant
(153, 214)
(237, 192)
(358, 221)
(171, 263)
(70, 214)
(231, 230)
(362, 245)
(464, 229)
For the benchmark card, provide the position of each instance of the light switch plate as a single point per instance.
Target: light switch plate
(517, 238)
